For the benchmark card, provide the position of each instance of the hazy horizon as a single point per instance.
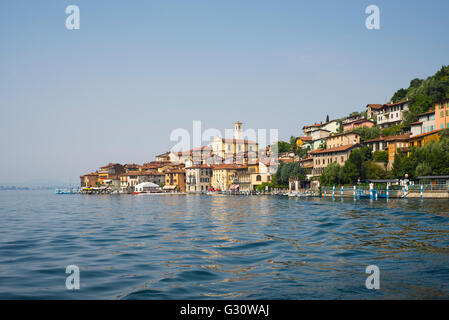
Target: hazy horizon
(74, 100)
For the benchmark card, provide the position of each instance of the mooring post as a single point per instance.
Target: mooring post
(421, 192)
(387, 192)
(353, 193)
(341, 192)
(333, 192)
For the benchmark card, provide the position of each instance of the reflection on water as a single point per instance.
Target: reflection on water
(206, 247)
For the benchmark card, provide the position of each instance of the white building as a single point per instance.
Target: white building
(425, 123)
(391, 114)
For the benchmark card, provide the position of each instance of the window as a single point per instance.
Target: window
(441, 113)
(258, 178)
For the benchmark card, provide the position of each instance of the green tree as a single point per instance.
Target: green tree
(286, 171)
(353, 168)
(374, 171)
(283, 146)
(368, 133)
(380, 156)
(332, 175)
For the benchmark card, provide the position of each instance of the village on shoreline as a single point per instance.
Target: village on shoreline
(384, 146)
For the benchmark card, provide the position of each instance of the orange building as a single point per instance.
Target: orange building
(442, 115)
(89, 180)
(396, 144)
(175, 180)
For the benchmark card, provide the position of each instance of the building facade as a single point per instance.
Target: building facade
(442, 115)
(391, 114)
(198, 178)
(342, 139)
(323, 157)
(425, 123)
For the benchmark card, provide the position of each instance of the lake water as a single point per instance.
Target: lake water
(220, 247)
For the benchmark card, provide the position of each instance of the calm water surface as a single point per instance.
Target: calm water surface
(217, 247)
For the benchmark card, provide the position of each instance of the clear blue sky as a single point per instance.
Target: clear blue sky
(113, 91)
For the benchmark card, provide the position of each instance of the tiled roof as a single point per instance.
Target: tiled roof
(342, 134)
(228, 166)
(358, 121)
(396, 103)
(424, 134)
(336, 149)
(426, 113)
(199, 166)
(390, 138)
(375, 106)
(238, 141)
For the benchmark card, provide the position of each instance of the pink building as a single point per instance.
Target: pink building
(357, 124)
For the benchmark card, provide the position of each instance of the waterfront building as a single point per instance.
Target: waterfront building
(112, 183)
(175, 180)
(129, 180)
(262, 172)
(442, 115)
(323, 157)
(425, 123)
(357, 124)
(223, 175)
(391, 114)
(153, 176)
(89, 180)
(106, 172)
(242, 180)
(372, 110)
(307, 164)
(198, 178)
(342, 139)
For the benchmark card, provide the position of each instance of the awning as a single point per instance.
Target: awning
(234, 187)
(169, 187)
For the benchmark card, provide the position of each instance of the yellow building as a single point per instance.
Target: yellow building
(236, 149)
(106, 173)
(225, 175)
(175, 180)
(424, 139)
(342, 139)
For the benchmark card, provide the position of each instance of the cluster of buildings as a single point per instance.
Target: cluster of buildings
(238, 164)
(334, 140)
(226, 164)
